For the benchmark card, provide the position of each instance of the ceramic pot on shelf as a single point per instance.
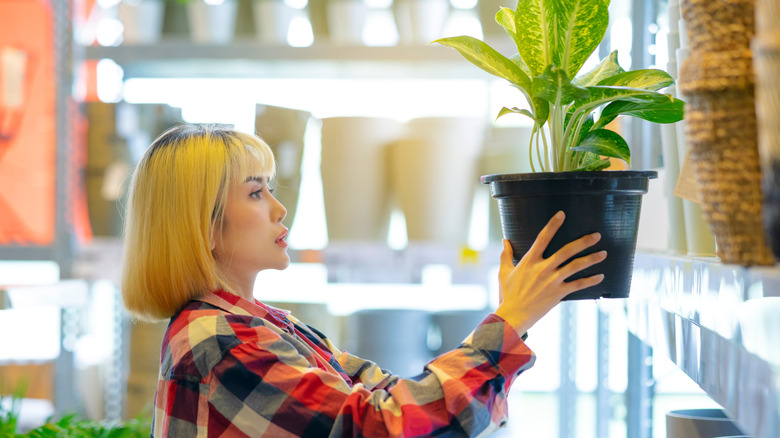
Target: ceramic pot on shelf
(420, 21)
(284, 129)
(505, 151)
(272, 20)
(142, 21)
(355, 177)
(434, 175)
(346, 20)
(212, 22)
(700, 423)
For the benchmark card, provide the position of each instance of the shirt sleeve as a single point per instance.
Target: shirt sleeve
(269, 387)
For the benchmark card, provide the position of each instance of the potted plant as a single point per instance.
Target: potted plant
(570, 144)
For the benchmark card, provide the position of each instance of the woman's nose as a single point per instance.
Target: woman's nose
(281, 211)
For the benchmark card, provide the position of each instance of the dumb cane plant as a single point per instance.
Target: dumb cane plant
(554, 38)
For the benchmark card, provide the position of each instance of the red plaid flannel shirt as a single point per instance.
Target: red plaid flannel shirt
(236, 368)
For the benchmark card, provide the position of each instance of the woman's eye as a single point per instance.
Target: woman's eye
(256, 193)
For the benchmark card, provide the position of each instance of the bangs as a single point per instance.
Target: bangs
(251, 156)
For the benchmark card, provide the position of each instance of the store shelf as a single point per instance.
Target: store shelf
(721, 325)
(246, 58)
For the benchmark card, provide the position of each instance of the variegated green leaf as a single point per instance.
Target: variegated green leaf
(541, 109)
(532, 35)
(488, 59)
(506, 18)
(520, 63)
(647, 79)
(593, 165)
(560, 32)
(605, 143)
(504, 111)
(661, 111)
(600, 94)
(608, 67)
(587, 126)
(554, 87)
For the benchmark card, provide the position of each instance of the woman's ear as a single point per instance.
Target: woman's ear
(214, 237)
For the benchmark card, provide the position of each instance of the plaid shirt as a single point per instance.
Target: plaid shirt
(236, 368)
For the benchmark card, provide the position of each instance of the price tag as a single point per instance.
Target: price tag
(687, 187)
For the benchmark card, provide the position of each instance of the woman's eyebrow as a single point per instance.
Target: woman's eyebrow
(257, 179)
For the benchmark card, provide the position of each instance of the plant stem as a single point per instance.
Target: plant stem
(546, 153)
(531, 147)
(539, 133)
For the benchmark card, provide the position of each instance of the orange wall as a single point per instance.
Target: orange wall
(27, 160)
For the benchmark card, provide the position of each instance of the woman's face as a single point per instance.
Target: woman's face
(252, 237)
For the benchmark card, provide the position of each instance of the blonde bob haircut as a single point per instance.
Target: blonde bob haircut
(176, 205)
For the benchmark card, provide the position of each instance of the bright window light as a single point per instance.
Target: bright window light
(463, 22)
(380, 29)
(109, 80)
(109, 32)
(300, 33)
(41, 323)
(378, 4)
(297, 4)
(23, 273)
(620, 38)
(463, 4)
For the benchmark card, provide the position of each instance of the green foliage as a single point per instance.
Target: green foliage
(69, 426)
(10, 407)
(554, 38)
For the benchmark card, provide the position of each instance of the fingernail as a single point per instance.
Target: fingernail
(559, 215)
(600, 277)
(602, 254)
(596, 236)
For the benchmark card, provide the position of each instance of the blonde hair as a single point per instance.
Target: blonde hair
(176, 203)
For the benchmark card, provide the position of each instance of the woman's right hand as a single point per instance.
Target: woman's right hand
(532, 288)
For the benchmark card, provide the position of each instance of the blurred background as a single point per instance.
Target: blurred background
(380, 138)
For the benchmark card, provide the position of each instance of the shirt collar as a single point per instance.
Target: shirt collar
(232, 303)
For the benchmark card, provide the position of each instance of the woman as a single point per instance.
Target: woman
(202, 222)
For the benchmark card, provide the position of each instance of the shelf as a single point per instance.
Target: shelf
(346, 262)
(720, 324)
(249, 59)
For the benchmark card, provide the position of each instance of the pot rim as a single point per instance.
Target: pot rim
(599, 174)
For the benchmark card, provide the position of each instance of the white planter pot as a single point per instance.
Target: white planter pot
(142, 21)
(505, 151)
(420, 21)
(346, 19)
(284, 129)
(354, 177)
(272, 20)
(434, 175)
(212, 23)
(699, 423)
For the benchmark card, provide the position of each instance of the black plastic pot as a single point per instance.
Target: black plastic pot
(607, 201)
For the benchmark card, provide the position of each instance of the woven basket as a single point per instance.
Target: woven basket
(766, 50)
(717, 81)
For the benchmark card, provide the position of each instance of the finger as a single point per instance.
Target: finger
(546, 235)
(580, 284)
(581, 263)
(573, 248)
(506, 258)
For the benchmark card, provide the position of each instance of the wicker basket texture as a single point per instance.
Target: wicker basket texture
(718, 84)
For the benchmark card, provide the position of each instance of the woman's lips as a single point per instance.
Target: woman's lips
(280, 240)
